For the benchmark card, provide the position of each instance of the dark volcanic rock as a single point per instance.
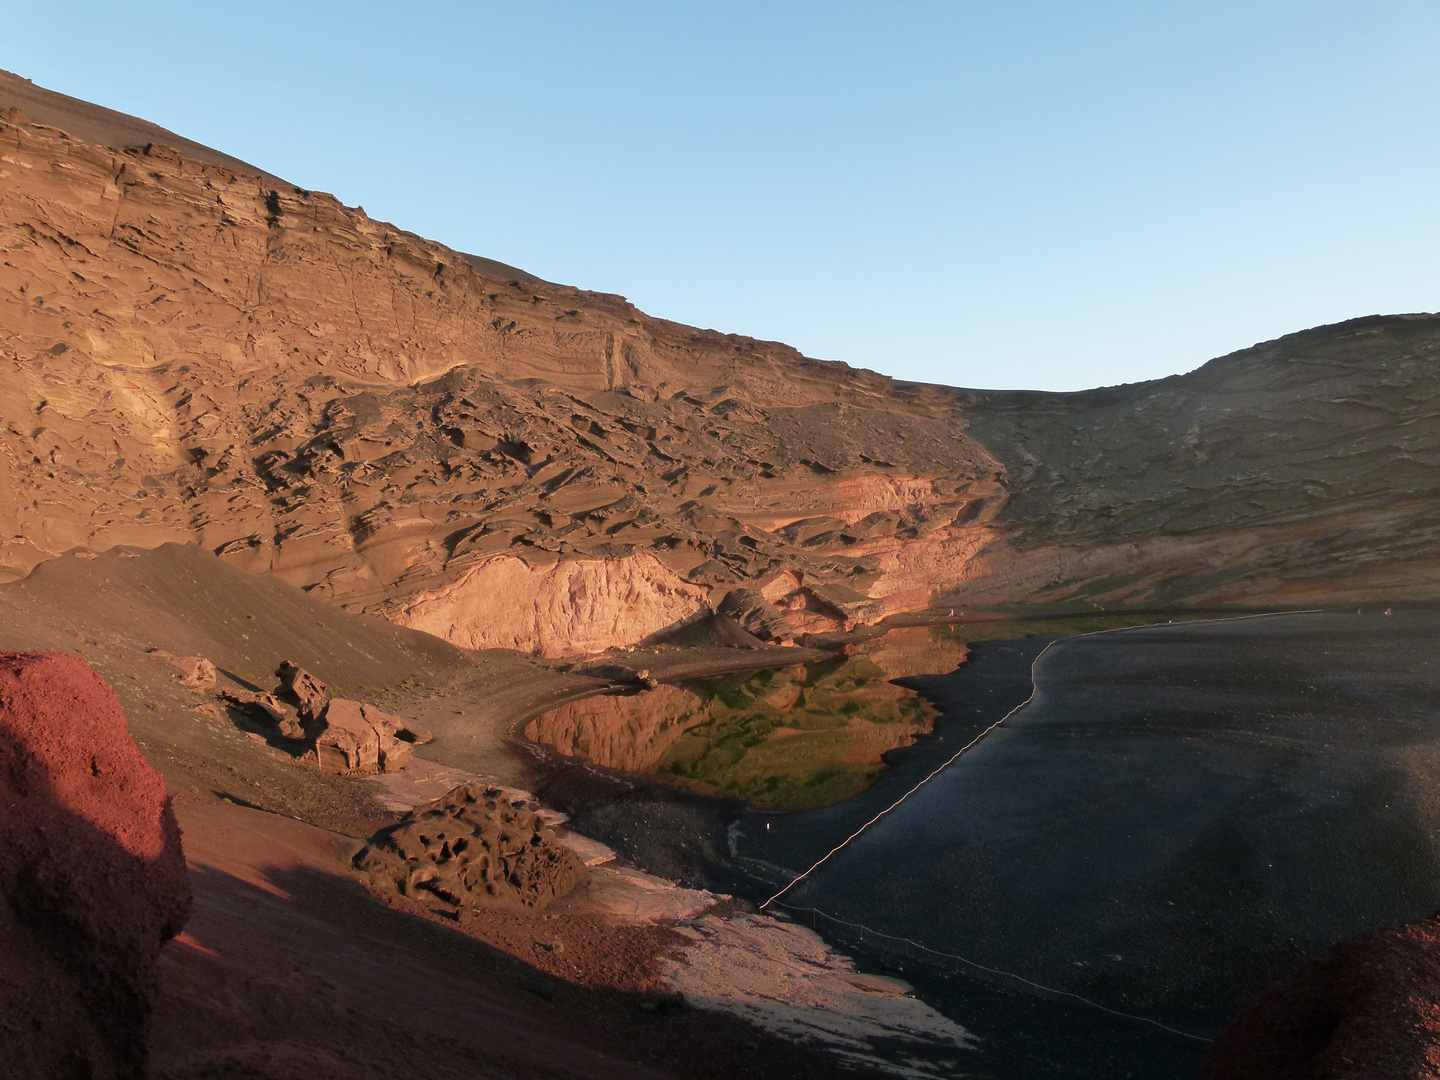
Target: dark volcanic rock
(1369, 1009)
(92, 875)
(473, 848)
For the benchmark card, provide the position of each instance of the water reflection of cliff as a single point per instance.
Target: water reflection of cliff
(788, 739)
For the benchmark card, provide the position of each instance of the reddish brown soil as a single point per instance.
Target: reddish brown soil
(1369, 1009)
(585, 949)
(91, 873)
(290, 968)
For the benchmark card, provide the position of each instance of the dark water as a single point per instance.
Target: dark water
(1182, 814)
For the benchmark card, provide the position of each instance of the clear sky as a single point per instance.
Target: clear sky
(993, 194)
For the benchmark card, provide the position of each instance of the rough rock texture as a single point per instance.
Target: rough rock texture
(266, 708)
(308, 694)
(1369, 1009)
(196, 672)
(574, 606)
(474, 848)
(355, 740)
(92, 875)
(193, 351)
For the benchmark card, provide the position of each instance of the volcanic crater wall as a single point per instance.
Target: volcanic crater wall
(190, 351)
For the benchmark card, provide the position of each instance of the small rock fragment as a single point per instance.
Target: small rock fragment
(263, 707)
(196, 672)
(308, 693)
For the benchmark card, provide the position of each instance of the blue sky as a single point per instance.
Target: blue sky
(991, 194)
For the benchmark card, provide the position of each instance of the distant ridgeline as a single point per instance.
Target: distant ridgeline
(193, 350)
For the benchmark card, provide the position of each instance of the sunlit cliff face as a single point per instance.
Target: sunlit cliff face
(189, 352)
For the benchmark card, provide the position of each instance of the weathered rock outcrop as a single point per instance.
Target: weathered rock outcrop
(307, 693)
(565, 607)
(1369, 1009)
(196, 672)
(338, 735)
(474, 848)
(92, 876)
(355, 740)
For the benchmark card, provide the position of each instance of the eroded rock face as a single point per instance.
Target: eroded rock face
(355, 740)
(407, 431)
(92, 876)
(573, 606)
(473, 848)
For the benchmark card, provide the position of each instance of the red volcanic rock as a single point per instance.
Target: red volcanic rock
(92, 877)
(1369, 1009)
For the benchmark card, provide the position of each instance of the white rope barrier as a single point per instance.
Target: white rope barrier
(997, 971)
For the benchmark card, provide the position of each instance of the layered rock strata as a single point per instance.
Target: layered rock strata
(190, 350)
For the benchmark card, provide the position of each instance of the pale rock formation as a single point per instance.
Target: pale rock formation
(785, 978)
(571, 607)
(196, 672)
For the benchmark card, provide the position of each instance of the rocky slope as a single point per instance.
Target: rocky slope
(192, 350)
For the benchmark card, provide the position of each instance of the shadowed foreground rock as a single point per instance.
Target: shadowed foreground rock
(92, 875)
(1369, 1009)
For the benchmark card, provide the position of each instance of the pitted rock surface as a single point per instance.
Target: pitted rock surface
(473, 848)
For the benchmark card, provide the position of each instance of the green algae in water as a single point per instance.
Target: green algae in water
(795, 738)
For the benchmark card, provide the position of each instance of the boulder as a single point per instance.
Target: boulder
(1368, 1009)
(476, 847)
(353, 739)
(196, 672)
(92, 876)
(346, 742)
(304, 690)
(267, 709)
